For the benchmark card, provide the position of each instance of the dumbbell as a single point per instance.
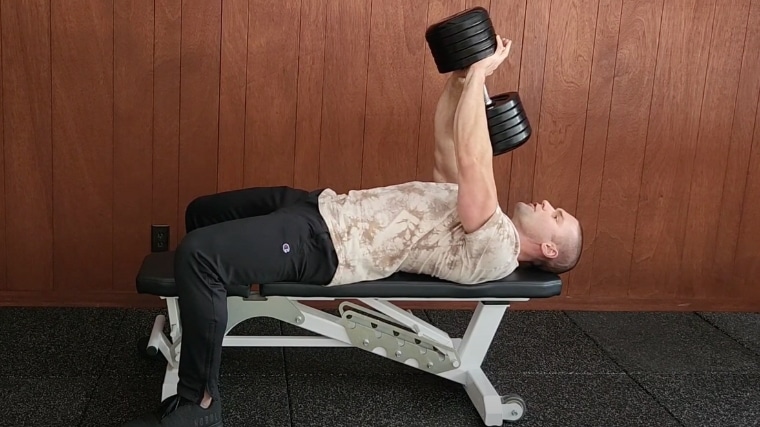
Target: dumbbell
(463, 39)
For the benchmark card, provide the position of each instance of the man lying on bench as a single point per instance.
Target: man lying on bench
(452, 229)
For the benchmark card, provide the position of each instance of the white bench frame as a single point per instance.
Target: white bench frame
(383, 329)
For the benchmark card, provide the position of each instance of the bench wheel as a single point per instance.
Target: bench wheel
(513, 407)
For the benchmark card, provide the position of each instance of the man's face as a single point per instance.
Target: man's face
(542, 223)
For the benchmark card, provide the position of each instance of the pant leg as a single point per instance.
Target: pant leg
(292, 244)
(235, 204)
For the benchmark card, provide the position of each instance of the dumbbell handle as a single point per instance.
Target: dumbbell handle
(486, 97)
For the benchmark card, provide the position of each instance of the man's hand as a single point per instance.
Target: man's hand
(490, 64)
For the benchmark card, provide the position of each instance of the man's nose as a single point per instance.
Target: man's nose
(546, 205)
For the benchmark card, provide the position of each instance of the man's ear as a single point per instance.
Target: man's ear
(549, 250)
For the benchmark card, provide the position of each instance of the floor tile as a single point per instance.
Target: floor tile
(665, 342)
(125, 357)
(533, 341)
(708, 400)
(117, 400)
(743, 327)
(67, 342)
(564, 400)
(254, 360)
(43, 402)
(379, 401)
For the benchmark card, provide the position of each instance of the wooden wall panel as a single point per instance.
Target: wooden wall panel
(432, 88)
(166, 94)
(28, 145)
(344, 94)
(747, 260)
(133, 137)
(115, 115)
(311, 74)
(199, 101)
(710, 160)
(532, 66)
(272, 89)
(626, 135)
(3, 252)
(82, 131)
(232, 95)
(563, 113)
(671, 143)
(394, 90)
(509, 21)
(595, 139)
(726, 278)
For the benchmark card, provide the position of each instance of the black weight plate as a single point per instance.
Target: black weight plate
(506, 124)
(509, 144)
(457, 23)
(460, 61)
(505, 100)
(500, 116)
(507, 133)
(454, 46)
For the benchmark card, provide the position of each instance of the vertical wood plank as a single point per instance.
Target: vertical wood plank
(747, 260)
(344, 94)
(595, 141)
(726, 276)
(311, 72)
(432, 88)
(82, 124)
(199, 101)
(532, 66)
(133, 137)
(26, 89)
(394, 89)
(272, 92)
(232, 94)
(711, 157)
(3, 251)
(508, 17)
(629, 115)
(166, 92)
(563, 108)
(671, 141)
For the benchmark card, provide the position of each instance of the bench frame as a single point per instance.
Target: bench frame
(377, 326)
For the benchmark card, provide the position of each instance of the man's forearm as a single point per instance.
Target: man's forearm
(471, 139)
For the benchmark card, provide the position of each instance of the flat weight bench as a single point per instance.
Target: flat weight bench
(381, 328)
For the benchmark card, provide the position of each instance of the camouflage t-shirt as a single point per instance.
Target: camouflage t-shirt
(415, 228)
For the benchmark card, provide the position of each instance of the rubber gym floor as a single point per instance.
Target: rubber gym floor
(80, 367)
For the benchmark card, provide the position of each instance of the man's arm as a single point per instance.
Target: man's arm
(477, 198)
(445, 166)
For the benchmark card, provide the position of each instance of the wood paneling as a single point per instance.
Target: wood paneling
(115, 115)
(272, 89)
(133, 137)
(626, 138)
(27, 145)
(726, 277)
(3, 252)
(82, 129)
(311, 74)
(199, 100)
(394, 90)
(232, 94)
(595, 139)
(344, 93)
(166, 95)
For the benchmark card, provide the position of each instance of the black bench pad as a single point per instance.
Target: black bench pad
(156, 277)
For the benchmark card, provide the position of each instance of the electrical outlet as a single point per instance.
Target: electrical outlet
(159, 238)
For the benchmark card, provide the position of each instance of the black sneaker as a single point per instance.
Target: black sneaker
(176, 411)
